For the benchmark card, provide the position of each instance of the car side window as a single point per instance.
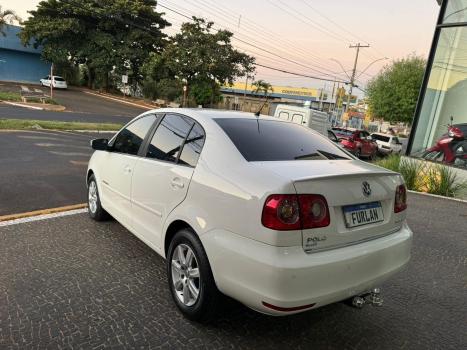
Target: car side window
(129, 140)
(169, 137)
(193, 146)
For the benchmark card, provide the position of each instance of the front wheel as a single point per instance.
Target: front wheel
(190, 278)
(95, 210)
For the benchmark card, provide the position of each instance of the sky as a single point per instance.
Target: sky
(309, 36)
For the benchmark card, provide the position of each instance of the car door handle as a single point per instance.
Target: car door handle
(127, 169)
(177, 183)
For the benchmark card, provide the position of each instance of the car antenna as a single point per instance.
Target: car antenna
(257, 113)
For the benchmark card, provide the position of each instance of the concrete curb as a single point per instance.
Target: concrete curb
(120, 100)
(24, 106)
(14, 217)
(438, 196)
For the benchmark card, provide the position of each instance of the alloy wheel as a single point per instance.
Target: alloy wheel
(186, 279)
(92, 197)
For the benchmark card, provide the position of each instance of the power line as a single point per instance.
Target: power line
(300, 75)
(255, 44)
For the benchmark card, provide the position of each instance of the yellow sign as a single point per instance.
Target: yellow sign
(283, 90)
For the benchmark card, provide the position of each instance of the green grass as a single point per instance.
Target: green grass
(9, 96)
(20, 124)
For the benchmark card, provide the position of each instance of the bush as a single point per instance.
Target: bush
(424, 176)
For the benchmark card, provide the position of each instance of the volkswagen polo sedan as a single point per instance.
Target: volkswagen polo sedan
(264, 211)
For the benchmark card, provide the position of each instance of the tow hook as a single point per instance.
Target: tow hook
(372, 297)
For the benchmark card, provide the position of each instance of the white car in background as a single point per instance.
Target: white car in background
(265, 211)
(56, 81)
(387, 143)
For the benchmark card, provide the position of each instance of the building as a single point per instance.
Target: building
(241, 96)
(442, 100)
(19, 63)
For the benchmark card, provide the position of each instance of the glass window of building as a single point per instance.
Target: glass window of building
(441, 129)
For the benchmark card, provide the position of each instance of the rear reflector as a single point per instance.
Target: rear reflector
(287, 309)
(400, 201)
(284, 212)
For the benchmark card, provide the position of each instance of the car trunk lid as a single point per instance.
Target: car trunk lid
(360, 198)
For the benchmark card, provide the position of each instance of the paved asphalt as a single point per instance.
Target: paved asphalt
(43, 169)
(12, 112)
(80, 106)
(71, 283)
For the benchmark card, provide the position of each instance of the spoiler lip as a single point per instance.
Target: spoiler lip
(359, 173)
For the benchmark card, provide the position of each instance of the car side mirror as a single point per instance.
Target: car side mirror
(369, 138)
(100, 144)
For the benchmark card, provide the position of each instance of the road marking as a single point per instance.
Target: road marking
(118, 100)
(78, 162)
(25, 106)
(61, 145)
(71, 154)
(39, 138)
(12, 219)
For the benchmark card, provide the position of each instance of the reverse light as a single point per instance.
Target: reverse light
(400, 202)
(285, 212)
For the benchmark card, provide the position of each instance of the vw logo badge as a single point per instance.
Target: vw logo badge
(366, 189)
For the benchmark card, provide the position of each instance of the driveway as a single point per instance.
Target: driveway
(43, 169)
(77, 101)
(72, 283)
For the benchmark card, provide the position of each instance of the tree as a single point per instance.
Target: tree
(7, 17)
(200, 55)
(105, 35)
(262, 86)
(393, 93)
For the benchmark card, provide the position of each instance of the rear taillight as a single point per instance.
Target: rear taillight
(284, 212)
(400, 202)
(314, 211)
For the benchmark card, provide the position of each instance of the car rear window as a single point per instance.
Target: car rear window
(380, 137)
(343, 131)
(58, 79)
(269, 140)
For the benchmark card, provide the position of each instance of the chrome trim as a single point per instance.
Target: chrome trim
(348, 244)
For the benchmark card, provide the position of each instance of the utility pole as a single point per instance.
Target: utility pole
(352, 78)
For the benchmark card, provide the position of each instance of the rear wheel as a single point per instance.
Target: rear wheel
(95, 210)
(358, 153)
(190, 278)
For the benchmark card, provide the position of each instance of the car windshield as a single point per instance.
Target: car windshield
(269, 140)
(380, 138)
(59, 79)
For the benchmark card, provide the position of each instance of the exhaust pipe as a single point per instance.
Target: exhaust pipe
(373, 297)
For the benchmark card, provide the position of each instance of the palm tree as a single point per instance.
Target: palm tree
(7, 17)
(262, 86)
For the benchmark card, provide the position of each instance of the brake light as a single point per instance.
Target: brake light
(285, 212)
(400, 202)
(314, 211)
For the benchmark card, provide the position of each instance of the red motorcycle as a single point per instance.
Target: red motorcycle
(451, 148)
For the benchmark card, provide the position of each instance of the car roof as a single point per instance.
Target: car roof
(382, 134)
(205, 113)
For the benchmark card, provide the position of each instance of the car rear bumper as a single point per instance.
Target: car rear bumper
(286, 280)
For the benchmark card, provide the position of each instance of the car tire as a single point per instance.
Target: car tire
(372, 156)
(195, 295)
(358, 153)
(95, 210)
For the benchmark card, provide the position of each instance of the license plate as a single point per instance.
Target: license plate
(363, 214)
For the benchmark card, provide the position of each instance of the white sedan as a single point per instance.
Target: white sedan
(56, 81)
(387, 143)
(267, 212)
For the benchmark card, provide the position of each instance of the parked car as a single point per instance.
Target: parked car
(56, 81)
(311, 118)
(387, 143)
(359, 143)
(264, 211)
(342, 132)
